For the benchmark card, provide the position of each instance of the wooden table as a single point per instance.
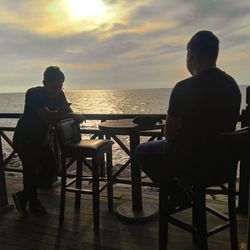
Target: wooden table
(135, 210)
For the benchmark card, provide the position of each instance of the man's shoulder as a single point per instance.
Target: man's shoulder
(229, 79)
(185, 81)
(215, 74)
(35, 91)
(183, 84)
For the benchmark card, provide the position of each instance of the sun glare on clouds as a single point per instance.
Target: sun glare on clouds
(66, 17)
(94, 12)
(78, 9)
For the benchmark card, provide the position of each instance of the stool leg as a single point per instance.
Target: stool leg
(201, 220)
(102, 170)
(63, 191)
(163, 219)
(232, 217)
(78, 184)
(109, 177)
(194, 223)
(102, 162)
(96, 193)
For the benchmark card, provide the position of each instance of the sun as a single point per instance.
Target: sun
(84, 9)
(76, 16)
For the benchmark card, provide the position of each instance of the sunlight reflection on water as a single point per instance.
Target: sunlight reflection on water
(119, 102)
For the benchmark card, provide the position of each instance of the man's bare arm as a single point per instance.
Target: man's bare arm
(170, 127)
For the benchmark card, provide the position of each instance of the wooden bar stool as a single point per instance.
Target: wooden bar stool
(72, 146)
(240, 140)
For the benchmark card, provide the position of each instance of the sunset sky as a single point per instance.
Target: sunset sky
(106, 44)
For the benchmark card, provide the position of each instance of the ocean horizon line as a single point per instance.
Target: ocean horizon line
(106, 89)
(109, 89)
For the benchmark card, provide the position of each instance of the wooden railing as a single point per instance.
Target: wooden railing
(89, 117)
(94, 133)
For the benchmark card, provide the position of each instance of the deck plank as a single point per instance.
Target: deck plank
(77, 232)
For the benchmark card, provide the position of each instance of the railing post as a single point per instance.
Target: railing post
(3, 192)
(244, 165)
(244, 177)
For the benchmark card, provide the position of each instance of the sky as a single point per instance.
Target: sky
(115, 44)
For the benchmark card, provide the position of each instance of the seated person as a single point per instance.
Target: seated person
(44, 105)
(200, 107)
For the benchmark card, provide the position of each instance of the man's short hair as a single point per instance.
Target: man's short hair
(204, 44)
(53, 74)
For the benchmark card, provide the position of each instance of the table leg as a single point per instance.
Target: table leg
(135, 211)
(135, 175)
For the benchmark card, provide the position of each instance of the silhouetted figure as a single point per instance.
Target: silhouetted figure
(44, 105)
(200, 108)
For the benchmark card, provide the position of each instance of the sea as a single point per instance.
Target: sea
(118, 101)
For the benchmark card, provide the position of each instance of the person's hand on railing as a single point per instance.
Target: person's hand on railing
(64, 114)
(79, 117)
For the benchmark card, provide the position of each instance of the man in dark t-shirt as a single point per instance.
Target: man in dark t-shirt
(43, 106)
(31, 126)
(200, 108)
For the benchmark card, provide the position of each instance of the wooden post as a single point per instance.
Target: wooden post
(3, 192)
(247, 118)
(244, 165)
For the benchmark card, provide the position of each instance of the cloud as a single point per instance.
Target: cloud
(142, 45)
(137, 29)
(56, 18)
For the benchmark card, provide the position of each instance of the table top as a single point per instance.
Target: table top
(126, 126)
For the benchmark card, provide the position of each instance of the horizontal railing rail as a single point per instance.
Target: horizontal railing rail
(92, 116)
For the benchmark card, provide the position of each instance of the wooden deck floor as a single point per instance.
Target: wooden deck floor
(77, 233)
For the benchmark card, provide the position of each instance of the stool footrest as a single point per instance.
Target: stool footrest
(90, 179)
(76, 190)
(181, 224)
(217, 213)
(218, 228)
